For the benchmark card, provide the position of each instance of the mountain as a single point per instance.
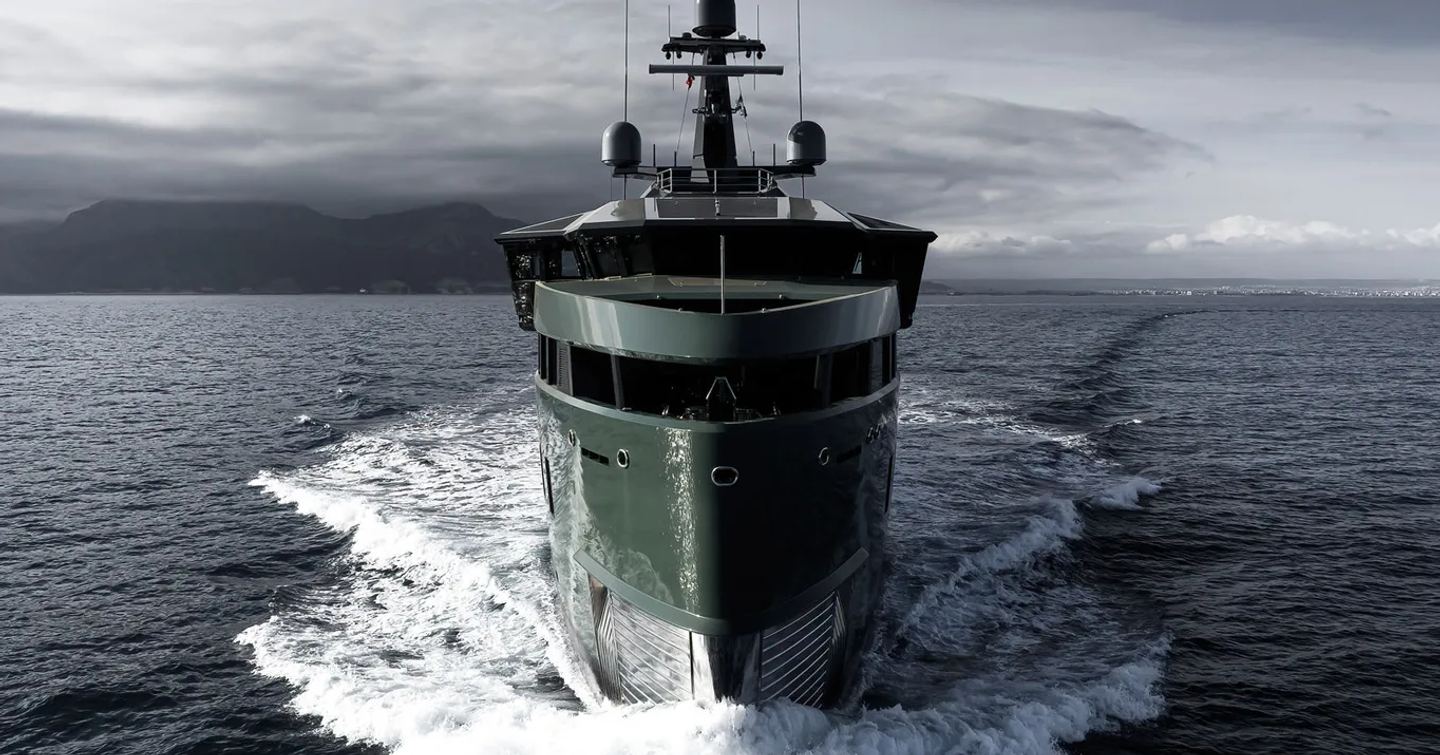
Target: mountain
(254, 246)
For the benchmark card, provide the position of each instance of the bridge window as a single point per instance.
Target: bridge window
(592, 376)
(719, 392)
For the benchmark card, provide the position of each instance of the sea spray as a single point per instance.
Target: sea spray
(440, 634)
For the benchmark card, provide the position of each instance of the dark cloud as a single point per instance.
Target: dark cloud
(341, 124)
(950, 158)
(354, 106)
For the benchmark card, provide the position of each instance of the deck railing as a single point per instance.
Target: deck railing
(746, 180)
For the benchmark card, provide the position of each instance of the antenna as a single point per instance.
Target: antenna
(800, 74)
(625, 184)
(755, 80)
(669, 33)
(627, 60)
(799, 59)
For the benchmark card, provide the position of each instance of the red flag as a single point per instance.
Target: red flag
(689, 81)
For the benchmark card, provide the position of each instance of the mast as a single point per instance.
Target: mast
(714, 118)
(712, 44)
(708, 49)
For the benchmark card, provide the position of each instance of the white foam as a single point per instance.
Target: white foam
(441, 634)
(980, 718)
(925, 405)
(1126, 496)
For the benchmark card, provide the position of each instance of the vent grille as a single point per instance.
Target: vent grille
(641, 659)
(796, 658)
(563, 377)
(644, 659)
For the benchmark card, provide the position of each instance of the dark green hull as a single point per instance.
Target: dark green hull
(717, 395)
(677, 586)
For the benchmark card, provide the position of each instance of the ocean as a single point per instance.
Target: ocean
(1138, 524)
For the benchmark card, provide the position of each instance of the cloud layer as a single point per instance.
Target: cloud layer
(1250, 232)
(497, 102)
(1237, 246)
(1039, 137)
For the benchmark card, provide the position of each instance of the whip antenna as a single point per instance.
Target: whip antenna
(625, 184)
(627, 60)
(800, 74)
(800, 59)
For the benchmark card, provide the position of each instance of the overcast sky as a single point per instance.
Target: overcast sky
(1292, 138)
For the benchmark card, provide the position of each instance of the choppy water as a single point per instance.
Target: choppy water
(1121, 525)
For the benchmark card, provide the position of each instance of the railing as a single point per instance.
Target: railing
(747, 180)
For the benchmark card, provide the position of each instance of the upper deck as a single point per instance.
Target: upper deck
(775, 238)
(723, 211)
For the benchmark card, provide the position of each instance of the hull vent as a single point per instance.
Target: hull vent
(563, 373)
(796, 659)
(643, 659)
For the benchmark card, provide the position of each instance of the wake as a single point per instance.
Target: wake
(439, 632)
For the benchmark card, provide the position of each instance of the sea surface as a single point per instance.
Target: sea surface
(1122, 525)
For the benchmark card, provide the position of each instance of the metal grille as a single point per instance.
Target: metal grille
(796, 658)
(642, 659)
(645, 659)
(562, 368)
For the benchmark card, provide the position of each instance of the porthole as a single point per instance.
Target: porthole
(724, 477)
(824, 457)
(622, 457)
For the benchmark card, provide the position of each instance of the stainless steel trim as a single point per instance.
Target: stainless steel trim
(643, 659)
(798, 658)
(724, 477)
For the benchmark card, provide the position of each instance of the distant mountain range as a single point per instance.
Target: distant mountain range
(124, 246)
(228, 247)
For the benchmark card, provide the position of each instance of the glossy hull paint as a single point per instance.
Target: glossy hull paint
(676, 587)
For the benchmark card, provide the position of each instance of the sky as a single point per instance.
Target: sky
(1039, 138)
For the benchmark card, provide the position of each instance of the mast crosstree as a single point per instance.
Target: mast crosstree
(710, 46)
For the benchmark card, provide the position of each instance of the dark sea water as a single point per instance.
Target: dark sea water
(1122, 525)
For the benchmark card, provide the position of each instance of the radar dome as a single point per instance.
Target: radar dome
(714, 18)
(621, 145)
(805, 147)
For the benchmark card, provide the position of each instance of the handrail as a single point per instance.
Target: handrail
(743, 180)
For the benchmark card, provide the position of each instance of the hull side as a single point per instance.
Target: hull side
(678, 583)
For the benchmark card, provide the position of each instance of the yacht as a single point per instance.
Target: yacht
(717, 383)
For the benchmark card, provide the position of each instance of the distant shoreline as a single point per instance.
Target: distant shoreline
(1234, 294)
(495, 292)
(1172, 287)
